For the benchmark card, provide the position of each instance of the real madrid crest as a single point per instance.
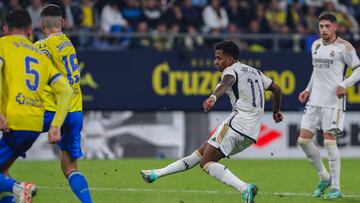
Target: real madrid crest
(332, 53)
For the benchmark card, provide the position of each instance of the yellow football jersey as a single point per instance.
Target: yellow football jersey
(62, 53)
(25, 71)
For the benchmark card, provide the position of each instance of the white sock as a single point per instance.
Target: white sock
(224, 175)
(17, 189)
(313, 154)
(334, 162)
(180, 165)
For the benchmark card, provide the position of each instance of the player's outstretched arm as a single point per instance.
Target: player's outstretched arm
(63, 93)
(220, 90)
(276, 95)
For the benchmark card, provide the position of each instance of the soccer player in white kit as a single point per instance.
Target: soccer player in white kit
(245, 86)
(326, 101)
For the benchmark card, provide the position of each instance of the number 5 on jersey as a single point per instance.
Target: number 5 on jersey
(33, 86)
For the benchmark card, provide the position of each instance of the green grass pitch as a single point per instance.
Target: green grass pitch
(119, 181)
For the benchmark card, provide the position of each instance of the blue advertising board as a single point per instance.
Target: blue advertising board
(146, 80)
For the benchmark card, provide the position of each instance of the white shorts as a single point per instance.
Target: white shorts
(329, 120)
(229, 141)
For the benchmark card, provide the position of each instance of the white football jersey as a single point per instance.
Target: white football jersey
(329, 69)
(247, 98)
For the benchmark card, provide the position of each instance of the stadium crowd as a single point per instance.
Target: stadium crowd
(158, 22)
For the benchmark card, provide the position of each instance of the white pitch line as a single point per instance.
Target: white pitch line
(351, 195)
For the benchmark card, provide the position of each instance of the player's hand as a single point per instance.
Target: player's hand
(303, 96)
(340, 92)
(3, 124)
(208, 103)
(54, 135)
(278, 117)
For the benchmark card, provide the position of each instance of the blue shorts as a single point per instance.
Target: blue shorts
(15, 143)
(70, 132)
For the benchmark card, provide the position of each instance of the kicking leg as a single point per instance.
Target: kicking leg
(180, 165)
(334, 164)
(313, 154)
(77, 181)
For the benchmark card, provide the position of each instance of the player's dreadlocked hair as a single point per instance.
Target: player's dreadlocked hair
(228, 47)
(328, 16)
(18, 18)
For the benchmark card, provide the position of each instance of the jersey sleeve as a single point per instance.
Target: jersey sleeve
(350, 57)
(54, 74)
(41, 44)
(2, 63)
(229, 71)
(266, 80)
(1, 54)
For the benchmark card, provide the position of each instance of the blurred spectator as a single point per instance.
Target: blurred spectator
(176, 43)
(73, 15)
(111, 18)
(89, 16)
(295, 15)
(276, 16)
(311, 19)
(132, 12)
(246, 13)
(161, 42)
(345, 20)
(314, 3)
(256, 45)
(199, 3)
(191, 15)
(233, 36)
(261, 18)
(34, 10)
(286, 43)
(233, 12)
(142, 41)
(12, 4)
(215, 17)
(89, 22)
(193, 40)
(239, 13)
(152, 12)
(173, 16)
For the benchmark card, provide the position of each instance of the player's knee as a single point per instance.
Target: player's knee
(202, 163)
(304, 141)
(329, 143)
(205, 166)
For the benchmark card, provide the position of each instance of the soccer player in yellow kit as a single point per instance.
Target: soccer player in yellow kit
(25, 71)
(62, 53)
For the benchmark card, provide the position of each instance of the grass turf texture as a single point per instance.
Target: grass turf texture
(118, 181)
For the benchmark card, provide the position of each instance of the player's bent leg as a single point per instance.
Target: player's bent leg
(180, 165)
(77, 181)
(330, 145)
